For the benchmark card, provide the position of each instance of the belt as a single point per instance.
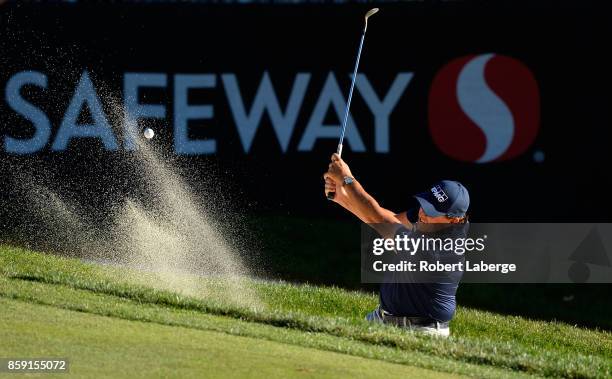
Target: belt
(408, 321)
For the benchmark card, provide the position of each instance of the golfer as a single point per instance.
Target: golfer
(426, 307)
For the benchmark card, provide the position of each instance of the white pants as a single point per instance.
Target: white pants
(375, 316)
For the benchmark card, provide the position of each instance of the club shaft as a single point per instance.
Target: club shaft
(350, 96)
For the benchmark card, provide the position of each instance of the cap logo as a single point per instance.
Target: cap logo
(439, 193)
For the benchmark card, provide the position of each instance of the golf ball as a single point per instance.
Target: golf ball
(148, 133)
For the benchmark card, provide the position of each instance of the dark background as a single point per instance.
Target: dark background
(303, 237)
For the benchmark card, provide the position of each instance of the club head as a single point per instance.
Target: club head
(371, 12)
(368, 15)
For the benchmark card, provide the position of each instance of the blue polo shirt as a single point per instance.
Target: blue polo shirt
(435, 300)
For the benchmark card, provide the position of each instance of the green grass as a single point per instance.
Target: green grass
(482, 344)
(111, 347)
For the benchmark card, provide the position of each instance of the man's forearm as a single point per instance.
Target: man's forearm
(365, 207)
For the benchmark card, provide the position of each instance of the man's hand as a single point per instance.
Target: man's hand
(332, 186)
(338, 169)
(334, 179)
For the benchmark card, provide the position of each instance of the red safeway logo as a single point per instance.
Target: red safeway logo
(484, 108)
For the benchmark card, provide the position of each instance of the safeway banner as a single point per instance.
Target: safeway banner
(503, 98)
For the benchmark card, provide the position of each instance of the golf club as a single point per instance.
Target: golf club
(330, 195)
